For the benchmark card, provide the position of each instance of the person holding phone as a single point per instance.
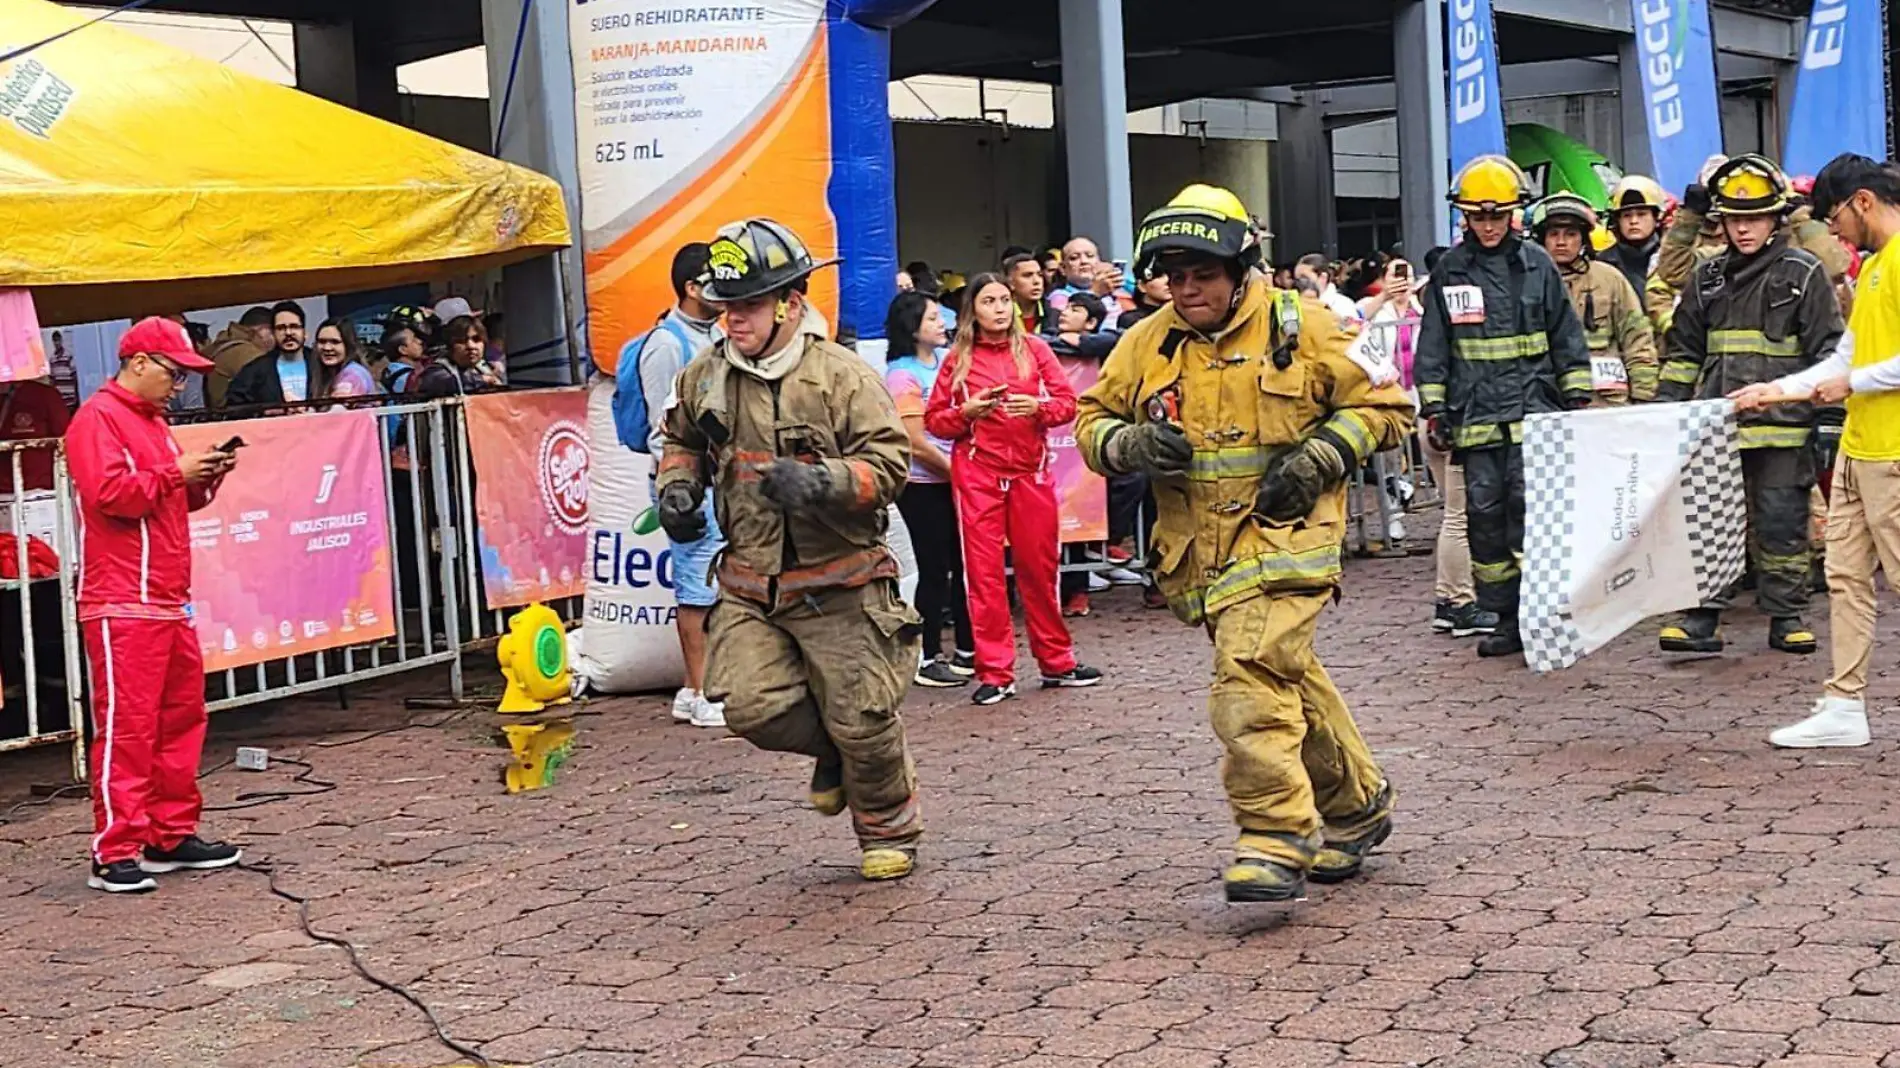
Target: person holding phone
(997, 396)
(136, 489)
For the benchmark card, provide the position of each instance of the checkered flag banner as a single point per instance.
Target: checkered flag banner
(1628, 513)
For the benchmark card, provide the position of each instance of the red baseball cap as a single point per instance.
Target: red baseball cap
(158, 336)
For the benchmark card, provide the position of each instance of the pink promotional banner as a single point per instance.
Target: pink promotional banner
(292, 555)
(1081, 494)
(531, 459)
(22, 352)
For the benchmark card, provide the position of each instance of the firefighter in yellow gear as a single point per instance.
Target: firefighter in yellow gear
(1244, 406)
(1637, 205)
(1623, 361)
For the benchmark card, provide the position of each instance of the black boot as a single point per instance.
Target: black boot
(1695, 633)
(1503, 641)
(1790, 635)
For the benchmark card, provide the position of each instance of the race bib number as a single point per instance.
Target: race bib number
(1465, 304)
(1374, 350)
(1607, 373)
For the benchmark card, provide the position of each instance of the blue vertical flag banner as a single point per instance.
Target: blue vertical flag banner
(1680, 100)
(1840, 96)
(1476, 106)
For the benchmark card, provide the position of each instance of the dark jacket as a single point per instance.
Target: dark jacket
(1528, 355)
(258, 383)
(1749, 319)
(1633, 260)
(441, 378)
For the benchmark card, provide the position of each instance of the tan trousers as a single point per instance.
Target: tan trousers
(1453, 554)
(1295, 759)
(823, 676)
(1863, 531)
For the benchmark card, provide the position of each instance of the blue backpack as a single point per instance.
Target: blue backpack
(632, 419)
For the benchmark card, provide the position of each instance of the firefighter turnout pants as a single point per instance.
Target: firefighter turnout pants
(1780, 537)
(148, 733)
(1494, 518)
(1019, 511)
(823, 677)
(1295, 761)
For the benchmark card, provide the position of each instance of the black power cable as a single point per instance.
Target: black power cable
(269, 872)
(44, 41)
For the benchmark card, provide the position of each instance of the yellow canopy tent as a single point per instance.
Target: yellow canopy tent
(138, 179)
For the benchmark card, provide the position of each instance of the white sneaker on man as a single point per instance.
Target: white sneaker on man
(683, 703)
(1121, 576)
(1098, 584)
(1837, 722)
(708, 713)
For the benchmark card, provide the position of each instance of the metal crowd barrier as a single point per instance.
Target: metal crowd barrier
(43, 687)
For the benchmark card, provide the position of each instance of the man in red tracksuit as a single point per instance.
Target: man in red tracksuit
(998, 394)
(135, 490)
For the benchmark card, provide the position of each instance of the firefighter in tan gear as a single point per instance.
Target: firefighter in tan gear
(1637, 206)
(1623, 361)
(1246, 411)
(810, 648)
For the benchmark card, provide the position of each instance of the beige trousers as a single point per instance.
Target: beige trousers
(1453, 553)
(1863, 531)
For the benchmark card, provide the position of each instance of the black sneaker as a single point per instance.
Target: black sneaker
(938, 676)
(987, 694)
(121, 877)
(192, 854)
(1076, 677)
(963, 663)
(1469, 619)
(1441, 617)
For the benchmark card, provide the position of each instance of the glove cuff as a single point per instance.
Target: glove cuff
(1337, 466)
(1112, 448)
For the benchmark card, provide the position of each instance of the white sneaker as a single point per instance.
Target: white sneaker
(1121, 576)
(1837, 722)
(1097, 583)
(708, 713)
(683, 703)
(1395, 529)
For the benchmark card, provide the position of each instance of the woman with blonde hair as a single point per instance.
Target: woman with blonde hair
(997, 394)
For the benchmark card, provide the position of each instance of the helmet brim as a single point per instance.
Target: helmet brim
(762, 284)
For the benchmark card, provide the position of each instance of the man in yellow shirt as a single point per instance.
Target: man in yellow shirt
(1860, 200)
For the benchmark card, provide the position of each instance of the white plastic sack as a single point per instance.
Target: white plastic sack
(628, 643)
(1629, 513)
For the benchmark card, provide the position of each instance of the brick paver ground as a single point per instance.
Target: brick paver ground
(1605, 868)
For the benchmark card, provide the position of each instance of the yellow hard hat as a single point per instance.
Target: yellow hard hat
(1749, 185)
(1490, 183)
(1203, 219)
(1637, 191)
(1601, 239)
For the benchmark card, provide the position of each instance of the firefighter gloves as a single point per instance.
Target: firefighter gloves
(1296, 480)
(680, 515)
(794, 485)
(1158, 449)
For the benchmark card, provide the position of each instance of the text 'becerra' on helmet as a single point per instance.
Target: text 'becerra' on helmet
(1202, 220)
(1749, 184)
(1490, 184)
(756, 258)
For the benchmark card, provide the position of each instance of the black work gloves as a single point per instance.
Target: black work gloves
(1297, 479)
(1150, 449)
(679, 513)
(793, 485)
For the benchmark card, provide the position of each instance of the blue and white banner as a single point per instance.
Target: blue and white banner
(1679, 93)
(1840, 96)
(1474, 103)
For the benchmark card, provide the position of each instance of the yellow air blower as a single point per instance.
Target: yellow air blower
(533, 657)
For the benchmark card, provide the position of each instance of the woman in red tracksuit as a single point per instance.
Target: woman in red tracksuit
(995, 399)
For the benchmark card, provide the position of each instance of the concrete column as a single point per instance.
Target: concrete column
(1095, 125)
(1304, 218)
(1418, 53)
(338, 62)
(546, 298)
(1629, 70)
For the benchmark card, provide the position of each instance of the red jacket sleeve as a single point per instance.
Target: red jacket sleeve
(944, 416)
(201, 495)
(105, 478)
(1059, 408)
